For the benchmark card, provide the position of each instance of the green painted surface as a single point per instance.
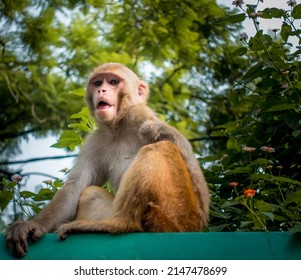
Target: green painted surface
(165, 246)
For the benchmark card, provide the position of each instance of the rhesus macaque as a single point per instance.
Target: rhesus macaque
(158, 184)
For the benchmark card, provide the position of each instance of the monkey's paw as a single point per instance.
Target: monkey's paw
(64, 229)
(17, 235)
(76, 226)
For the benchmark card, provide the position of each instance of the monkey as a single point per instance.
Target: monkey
(157, 182)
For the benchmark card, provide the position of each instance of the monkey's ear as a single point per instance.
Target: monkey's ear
(143, 91)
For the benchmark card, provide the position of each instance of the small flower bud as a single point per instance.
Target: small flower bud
(47, 182)
(248, 149)
(17, 178)
(268, 149)
(238, 3)
(291, 3)
(243, 36)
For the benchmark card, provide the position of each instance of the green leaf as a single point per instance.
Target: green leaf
(8, 184)
(253, 73)
(281, 107)
(270, 215)
(260, 41)
(80, 127)
(69, 139)
(83, 114)
(285, 31)
(240, 51)
(216, 212)
(217, 133)
(78, 92)
(296, 13)
(246, 224)
(264, 206)
(272, 13)
(232, 144)
(43, 194)
(167, 92)
(297, 133)
(240, 170)
(5, 198)
(235, 18)
(27, 194)
(211, 158)
(295, 229)
(230, 203)
(217, 228)
(282, 179)
(263, 161)
(256, 177)
(294, 197)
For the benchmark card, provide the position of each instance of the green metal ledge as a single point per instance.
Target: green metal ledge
(165, 246)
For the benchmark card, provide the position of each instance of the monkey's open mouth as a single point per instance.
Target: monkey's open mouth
(103, 105)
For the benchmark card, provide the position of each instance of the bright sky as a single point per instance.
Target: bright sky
(41, 147)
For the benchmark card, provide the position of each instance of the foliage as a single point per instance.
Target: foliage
(269, 101)
(26, 203)
(236, 98)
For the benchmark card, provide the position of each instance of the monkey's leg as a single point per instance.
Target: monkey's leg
(95, 203)
(156, 193)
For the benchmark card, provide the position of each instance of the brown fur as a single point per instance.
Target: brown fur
(152, 199)
(158, 182)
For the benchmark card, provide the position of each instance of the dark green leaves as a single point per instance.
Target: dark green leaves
(269, 13)
(260, 41)
(240, 51)
(296, 13)
(235, 18)
(285, 31)
(254, 72)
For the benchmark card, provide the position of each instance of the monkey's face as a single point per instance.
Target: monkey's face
(112, 89)
(105, 89)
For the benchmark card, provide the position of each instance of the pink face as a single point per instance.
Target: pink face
(105, 89)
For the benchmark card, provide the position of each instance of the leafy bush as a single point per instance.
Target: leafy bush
(270, 123)
(26, 203)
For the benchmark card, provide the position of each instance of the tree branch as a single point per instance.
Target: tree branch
(207, 138)
(36, 159)
(9, 135)
(39, 174)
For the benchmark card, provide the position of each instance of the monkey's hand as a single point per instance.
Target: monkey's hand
(154, 131)
(93, 226)
(18, 234)
(78, 226)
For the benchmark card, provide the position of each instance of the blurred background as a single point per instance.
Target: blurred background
(225, 73)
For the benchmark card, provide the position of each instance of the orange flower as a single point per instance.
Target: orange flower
(233, 184)
(249, 193)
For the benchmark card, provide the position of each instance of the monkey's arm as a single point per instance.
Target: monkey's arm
(61, 209)
(55, 213)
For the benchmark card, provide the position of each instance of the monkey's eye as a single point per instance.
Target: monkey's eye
(114, 82)
(97, 83)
